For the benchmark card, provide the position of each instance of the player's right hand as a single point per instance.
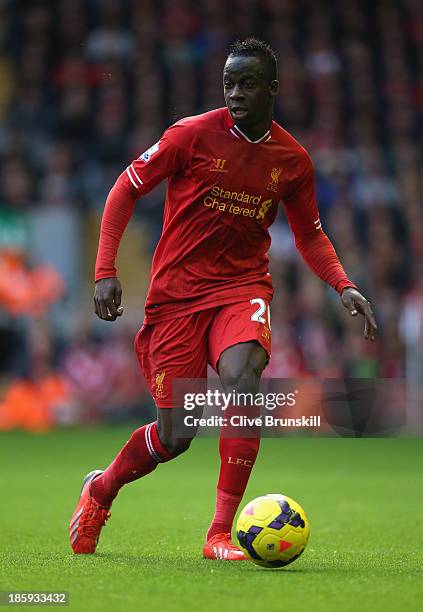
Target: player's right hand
(107, 298)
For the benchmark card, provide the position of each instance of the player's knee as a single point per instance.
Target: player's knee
(176, 446)
(236, 374)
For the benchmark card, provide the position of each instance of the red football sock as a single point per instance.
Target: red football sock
(138, 457)
(237, 457)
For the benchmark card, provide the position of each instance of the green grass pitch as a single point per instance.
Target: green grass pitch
(364, 499)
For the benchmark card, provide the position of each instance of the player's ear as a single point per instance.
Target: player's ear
(274, 88)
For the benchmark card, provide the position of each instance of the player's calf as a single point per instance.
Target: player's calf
(169, 428)
(176, 446)
(141, 455)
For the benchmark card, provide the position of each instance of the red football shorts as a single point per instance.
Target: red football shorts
(182, 347)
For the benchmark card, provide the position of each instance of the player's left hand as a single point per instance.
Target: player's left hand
(107, 298)
(357, 303)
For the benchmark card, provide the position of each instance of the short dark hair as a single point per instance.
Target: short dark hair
(253, 47)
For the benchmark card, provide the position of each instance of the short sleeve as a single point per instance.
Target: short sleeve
(169, 156)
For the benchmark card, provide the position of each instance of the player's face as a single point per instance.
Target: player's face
(248, 91)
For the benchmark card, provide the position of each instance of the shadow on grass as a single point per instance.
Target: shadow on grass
(186, 562)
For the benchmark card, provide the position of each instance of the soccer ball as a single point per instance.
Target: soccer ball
(273, 530)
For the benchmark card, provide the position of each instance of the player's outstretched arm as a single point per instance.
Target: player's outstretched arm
(319, 254)
(107, 299)
(357, 303)
(317, 250)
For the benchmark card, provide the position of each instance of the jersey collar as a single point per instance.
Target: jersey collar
(236, 130)
(238, 133)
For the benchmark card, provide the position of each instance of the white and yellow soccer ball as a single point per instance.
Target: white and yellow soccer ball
(273, 530)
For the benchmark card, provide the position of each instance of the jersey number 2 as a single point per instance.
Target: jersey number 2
(258, 314)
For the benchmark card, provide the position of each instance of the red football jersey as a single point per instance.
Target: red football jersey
(223, 192)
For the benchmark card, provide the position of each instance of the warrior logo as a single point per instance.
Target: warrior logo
(218, 165)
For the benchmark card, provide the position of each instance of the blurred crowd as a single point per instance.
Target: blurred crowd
(88, 85)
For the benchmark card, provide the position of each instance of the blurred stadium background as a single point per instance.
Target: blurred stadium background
(87, 85)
